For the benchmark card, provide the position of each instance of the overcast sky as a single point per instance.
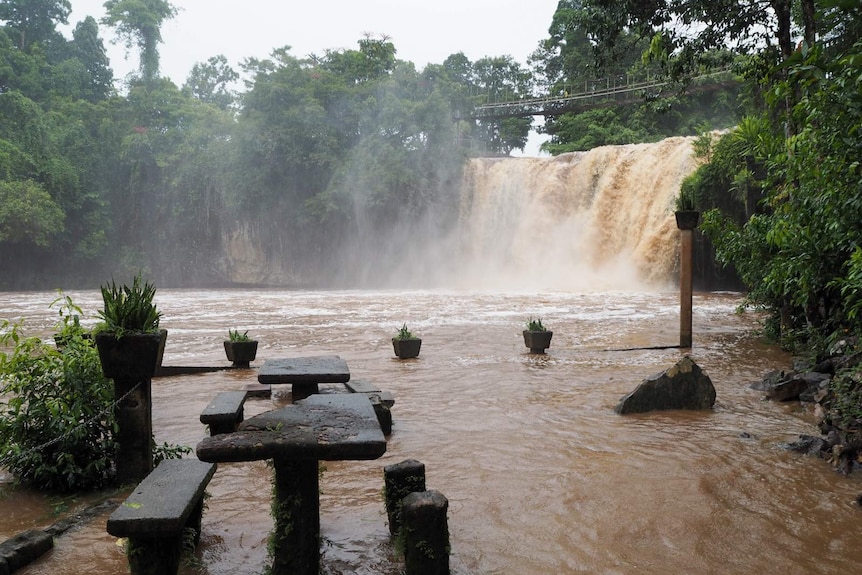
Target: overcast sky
(423, 32)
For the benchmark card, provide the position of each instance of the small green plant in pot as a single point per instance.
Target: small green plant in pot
(406, 345)
(536, 336)
(240, 348)
(687, 216)
(129, 339)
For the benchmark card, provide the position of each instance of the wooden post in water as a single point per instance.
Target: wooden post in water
(686, 221)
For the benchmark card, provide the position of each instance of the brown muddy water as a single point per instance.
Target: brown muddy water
(542, 477)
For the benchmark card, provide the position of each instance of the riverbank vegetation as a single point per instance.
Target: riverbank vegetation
(781, 191)
(57, 427)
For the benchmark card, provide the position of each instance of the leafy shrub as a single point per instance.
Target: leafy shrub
(535, 325)
(56, 424)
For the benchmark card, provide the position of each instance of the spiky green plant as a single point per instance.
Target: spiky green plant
(129, 309)
(404, 333)
(234, 335)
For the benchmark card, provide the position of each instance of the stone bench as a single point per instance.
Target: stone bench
(225, 412)
(157, 513)
(382, 401)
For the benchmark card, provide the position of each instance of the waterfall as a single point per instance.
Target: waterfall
(585, 221)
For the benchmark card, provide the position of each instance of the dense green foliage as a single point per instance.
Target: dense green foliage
(56, 421)
(578, 49)
(785, 191)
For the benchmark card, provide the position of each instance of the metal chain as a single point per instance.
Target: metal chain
(93, 419)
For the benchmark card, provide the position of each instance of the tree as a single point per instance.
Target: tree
(211, 82)
(89, 49)
(34, 20)
(798, 251)
(682, 32)
(139, 23)
(502, 79)
(374, 60)
(28, 214)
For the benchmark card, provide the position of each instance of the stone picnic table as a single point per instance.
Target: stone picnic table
(330, 427)
(304, 373)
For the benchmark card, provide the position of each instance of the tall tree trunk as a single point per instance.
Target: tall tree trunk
(809, 21)
(782, 16)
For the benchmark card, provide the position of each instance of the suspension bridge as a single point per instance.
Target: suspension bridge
(595, 93)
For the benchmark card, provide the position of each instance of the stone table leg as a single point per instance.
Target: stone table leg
(296, 510)
(302, 390)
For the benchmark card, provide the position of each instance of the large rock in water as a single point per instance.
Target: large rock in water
(683, 386)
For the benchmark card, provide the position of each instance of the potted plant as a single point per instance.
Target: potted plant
(687, 217)
(536, 336)
(240, 348)
(128, 337)
(406, 345)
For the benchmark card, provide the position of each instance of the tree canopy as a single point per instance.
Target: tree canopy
(139, 23)
(353, 143)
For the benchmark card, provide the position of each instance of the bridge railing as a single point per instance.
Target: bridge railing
(599, 88)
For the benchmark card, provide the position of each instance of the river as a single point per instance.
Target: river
(541, 475)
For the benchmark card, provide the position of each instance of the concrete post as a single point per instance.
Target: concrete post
(685, 288)
(401, 479)
(131, 361)
(426, 533)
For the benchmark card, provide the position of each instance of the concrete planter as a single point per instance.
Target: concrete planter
(406, 348)
(241, 353)
(687, 219)
(538, 341)
(132, 357)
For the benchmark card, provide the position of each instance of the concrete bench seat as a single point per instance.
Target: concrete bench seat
(225, 412)
(155, 515)
(381, 400)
